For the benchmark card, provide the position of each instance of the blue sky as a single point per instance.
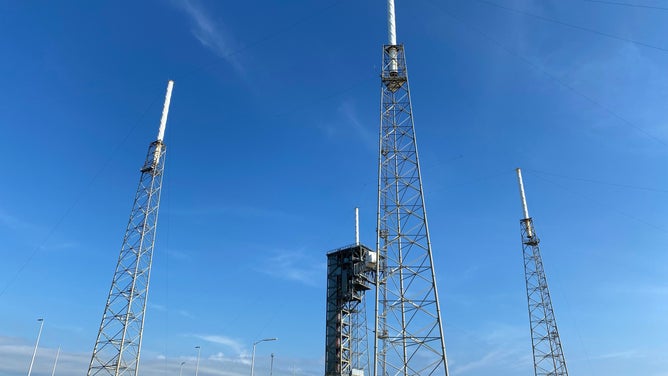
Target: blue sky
(272, 142)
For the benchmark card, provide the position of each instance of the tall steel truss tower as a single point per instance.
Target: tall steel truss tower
(408, 326)
(119, 339)
(348, 278)
(548, 355)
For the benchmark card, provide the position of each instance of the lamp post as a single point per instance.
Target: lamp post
(199, 349)
(271, 367)
(253, 356)
(181, 368)
(55, 362)
(39, 334)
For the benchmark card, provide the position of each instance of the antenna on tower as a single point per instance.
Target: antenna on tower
(391, 24)
(165, 110)
(392, 38)
(524, 200)
(357, 226)
(163, 123)
(525, 209)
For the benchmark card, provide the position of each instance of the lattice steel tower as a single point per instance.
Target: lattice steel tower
(548, 355)
(408, 326)
(119, 339)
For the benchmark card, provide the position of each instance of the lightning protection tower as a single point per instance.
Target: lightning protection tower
(348, 278)
(548, 355)
(408, 326)
(119, 339)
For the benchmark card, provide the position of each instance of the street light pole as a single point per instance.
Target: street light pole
(271, 367)
(199, 349)
(32, 361)
(181, 369)
(55, 362)
(253, 356)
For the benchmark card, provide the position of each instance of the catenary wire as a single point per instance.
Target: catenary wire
(549, 75)
(77, 199)
(572, 26)
(628, 186)
(593, 199)
(627, 4)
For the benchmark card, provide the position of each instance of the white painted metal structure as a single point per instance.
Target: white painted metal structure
(392, 37)
(391, 24)
(357, 226)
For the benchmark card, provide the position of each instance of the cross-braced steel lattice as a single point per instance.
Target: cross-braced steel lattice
(360, 336)
(347, 282)
(408, 326)
(548, 355)
(119, 339)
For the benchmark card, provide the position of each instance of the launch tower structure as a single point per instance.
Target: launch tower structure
(119, 339)
(408, 336)
(348, 279)
(548, 355)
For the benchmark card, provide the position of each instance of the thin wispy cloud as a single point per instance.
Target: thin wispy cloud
(186, 314)
(15, 223)
(157, 307)
(349, 125)
(502, 347)
(162, 308)
(490, 359)
(236, 346)
(627, 354)
(362, 131)
(294, 266)
(218, 357)
(179, 255)
(210, 33)
(34, 232)
(15, 357)
(221, 357)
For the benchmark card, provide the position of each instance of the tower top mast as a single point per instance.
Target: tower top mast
(392, 42)
(165, 111)
(391, 24)
(524, 200)
(357, 226)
